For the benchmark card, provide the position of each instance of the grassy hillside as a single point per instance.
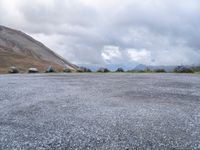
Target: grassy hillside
(23, 62)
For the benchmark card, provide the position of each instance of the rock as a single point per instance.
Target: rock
(50, 69)
(33, 70)
(67, 70)
(120, 70)
(103, 70)
(13, 69)
(83, 69)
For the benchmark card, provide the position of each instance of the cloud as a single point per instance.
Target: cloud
(111, 54)
(140, 56)
(158, 32)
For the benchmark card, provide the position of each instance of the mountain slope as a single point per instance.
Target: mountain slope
(22, 51)
(143, 67)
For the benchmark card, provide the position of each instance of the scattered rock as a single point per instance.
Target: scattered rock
(83, 69)
(50, 69)
(120, 70)
(13, 69)
(67, 70)
(33, 70)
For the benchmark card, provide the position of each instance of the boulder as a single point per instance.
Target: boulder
(120, 70)
(67, 70)
(13, 69)
(50, 69)
(33, 70)
(83, 69)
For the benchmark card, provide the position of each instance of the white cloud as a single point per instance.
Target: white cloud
(140, 56)
(111, 54)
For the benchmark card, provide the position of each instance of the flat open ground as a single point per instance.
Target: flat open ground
(100, 111)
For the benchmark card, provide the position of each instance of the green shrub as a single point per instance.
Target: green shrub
(182, 69)
(103, 70)
(159, 71)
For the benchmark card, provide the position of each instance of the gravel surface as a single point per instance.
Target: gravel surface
(100, 111)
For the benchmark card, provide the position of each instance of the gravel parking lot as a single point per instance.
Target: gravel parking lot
(100, 111)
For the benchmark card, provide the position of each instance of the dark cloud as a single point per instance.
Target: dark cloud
(157, 32)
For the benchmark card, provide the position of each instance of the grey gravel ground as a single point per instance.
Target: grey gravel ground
(100, 111)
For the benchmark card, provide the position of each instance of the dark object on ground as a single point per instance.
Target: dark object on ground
(120, 70)
(159, 71)
(50, 69)
(13, 70)
(33, 70)
(67, 70)
(103, 70)
(83, 69)
(183, 69)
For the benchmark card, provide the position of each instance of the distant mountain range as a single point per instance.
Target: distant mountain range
(166, 68)
(143, 67)
(20, 50)
(111, 67)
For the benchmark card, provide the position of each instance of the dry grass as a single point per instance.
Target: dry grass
(23, 62)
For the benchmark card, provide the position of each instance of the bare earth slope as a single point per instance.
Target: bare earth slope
(21, 50)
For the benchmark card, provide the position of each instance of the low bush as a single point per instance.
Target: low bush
(182, 69)
(103, 70)
(159, 71)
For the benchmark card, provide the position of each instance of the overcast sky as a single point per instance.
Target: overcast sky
(153, 32)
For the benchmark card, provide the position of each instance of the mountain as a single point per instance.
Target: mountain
(140, 67)
(112, 67)
(20, 50)
(143, 67)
